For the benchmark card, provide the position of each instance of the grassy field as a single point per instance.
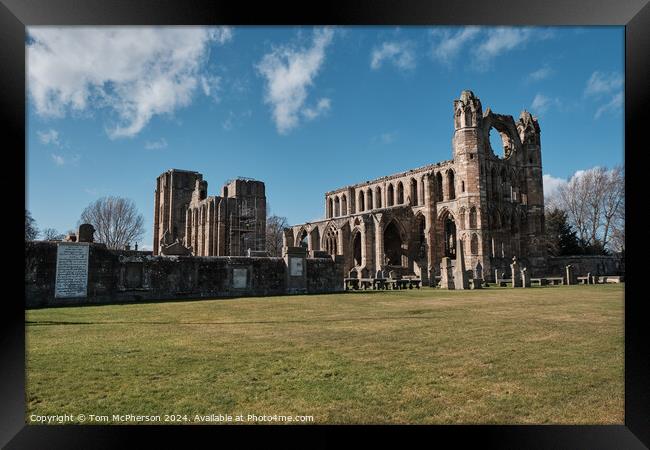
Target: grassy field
(497, 356)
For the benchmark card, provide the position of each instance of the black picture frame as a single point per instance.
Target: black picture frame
(15, 15)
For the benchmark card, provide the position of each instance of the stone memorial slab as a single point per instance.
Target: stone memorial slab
(296, 267)
(71, 271)
(239, 278)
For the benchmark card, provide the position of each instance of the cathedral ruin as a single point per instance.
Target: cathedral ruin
(189, 222)
(488, 204)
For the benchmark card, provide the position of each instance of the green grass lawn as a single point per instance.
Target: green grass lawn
(497, 356)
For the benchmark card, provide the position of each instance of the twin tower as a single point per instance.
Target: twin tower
(189, 222)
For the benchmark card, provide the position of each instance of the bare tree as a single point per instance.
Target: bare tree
(594, 201)
(116, 220)
(275, 226)
(31, 232)
(50, 234)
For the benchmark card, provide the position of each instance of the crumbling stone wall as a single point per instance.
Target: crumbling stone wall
(131, 276)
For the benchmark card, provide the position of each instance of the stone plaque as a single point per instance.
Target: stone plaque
(239, 278)
(71, 271)
(296, 267)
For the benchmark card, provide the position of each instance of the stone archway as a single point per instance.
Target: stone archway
(395, 246)
(356, 249)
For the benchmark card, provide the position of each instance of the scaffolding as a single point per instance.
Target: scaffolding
(244, 227)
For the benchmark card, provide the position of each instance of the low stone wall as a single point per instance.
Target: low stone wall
(128, 276)
(584, 264)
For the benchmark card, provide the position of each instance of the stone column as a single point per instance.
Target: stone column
(379, 243)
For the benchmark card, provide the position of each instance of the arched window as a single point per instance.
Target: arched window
(330, 241)
(472, 217)
(422, 194)
(337, 207)
(378, 197)
(330, 207)
(474, 244)
(439, 187)
(461, 219)
(390, 196)
(361, 206)
(369, 199)
(450, 185)
(414, 192)
(344, 205)
(400, 193)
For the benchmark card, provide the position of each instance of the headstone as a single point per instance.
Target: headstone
(71, 270)
(479, 270)
(295, 261)
(515, 273)
(496, 275)
(461, 280)
(570, 275)
(525, 278)
(477, 283)
(590, 279)
(136, 246)
(85, 233)
(446, 275)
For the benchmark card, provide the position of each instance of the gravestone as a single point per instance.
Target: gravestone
(515, 273)
(86, 233)
(446, 275)
(525, 278)
(479, 270)
(295, 260)
(71, 270)
(570, 276)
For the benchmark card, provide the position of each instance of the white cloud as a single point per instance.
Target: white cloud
(400, 54)
(289, 72)
(605, 86)
(235, 119)
(156, 145)
(50, 136)
(136, 72)
(542, 104)
(540, 74)
(552, 184)
(451, 44)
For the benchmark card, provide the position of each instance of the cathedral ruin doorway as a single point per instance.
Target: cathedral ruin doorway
(393, 245)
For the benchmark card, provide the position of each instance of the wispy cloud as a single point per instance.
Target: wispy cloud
(450, 44)
(486, 43)
(504, 39)
(385, 138)
(608, 87)
(62, 160)
(542, 103)
(156, 145)
(235, 119)
(542, 73)
(289, 72)
(398, 53)
(50, 136)
(135, 73)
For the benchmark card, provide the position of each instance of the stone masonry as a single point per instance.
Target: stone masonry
(409, 221)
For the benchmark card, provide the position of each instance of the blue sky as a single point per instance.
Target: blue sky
(305, 110)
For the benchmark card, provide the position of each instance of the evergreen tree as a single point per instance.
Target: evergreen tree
(31, 232)
(561, 239)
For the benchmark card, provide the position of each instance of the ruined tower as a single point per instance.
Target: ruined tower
(188, 221)
(173, 194)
